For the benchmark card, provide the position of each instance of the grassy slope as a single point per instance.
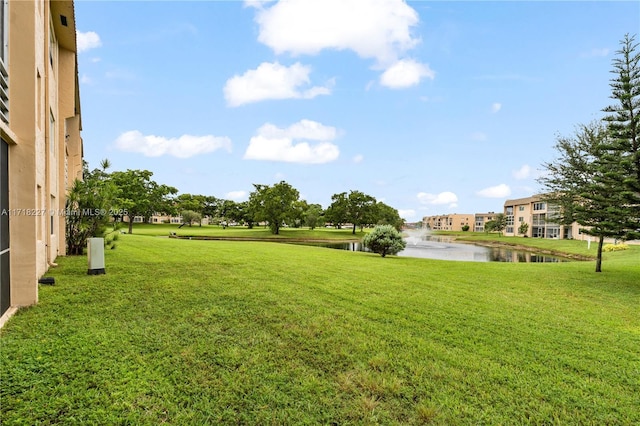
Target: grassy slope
(208, 332)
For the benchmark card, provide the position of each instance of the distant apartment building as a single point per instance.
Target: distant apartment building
(539, 216)
(448, 222)
(159, 218)
(480, 220)
(41, 147)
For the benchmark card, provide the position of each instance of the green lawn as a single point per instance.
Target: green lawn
(229, 332)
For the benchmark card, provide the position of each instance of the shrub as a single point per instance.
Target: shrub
(384, 239)
(615, 247)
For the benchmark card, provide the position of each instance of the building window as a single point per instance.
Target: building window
(509, 210)
(539, 206)
(4, 75)
(509, 229)
(521, 208)
(553, 232)
(520, 219)
(53, 52)
(52, 133)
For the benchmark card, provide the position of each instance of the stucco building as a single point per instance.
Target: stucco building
(481, 219)
(448, 222)
(41, 148)
(539, 216)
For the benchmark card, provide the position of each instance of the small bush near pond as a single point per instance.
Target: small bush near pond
(384, 239)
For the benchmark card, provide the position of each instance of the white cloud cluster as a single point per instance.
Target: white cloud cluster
(442, 198)
(277, 144)
(523, 172)
(272, 81)
(236, 195)
(498, 191)
(183, 147)
(405, 73)
(373, 29)
(407, 214)
(88, 40)
(495, 107)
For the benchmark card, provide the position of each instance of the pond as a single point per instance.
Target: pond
(427, 246)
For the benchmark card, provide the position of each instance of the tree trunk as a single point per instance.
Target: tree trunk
(599, 258)
(131, 224)
(354, 229)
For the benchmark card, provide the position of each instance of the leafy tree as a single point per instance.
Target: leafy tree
(189, 217)
(578, 183)
(313, 216)
(230, 212)
(337, 212)
(523, 228)
(274, 204)
(387, 215)
(210, 206)
(361, 209)
(195, 203)
(141, 196)
(621, 149)
(496, 225)
(465, 228)
(88, 205)
(246, 214)
(384, 239)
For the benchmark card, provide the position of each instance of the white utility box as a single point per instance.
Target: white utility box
(95, 253)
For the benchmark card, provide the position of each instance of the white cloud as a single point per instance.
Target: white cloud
(276, 144)
(498, 191)
(439, 199)
(379, 29)
(86, 41)
(358, 158)
(272, 81)
(236, 195)
(407, 214)
(405, 73)
(183, 147)
(523, 172)
(256, 3)
(85, 79)
(495, 107)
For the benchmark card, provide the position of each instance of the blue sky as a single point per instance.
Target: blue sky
(431, 107)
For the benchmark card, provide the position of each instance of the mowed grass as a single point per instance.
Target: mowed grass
(226, 332)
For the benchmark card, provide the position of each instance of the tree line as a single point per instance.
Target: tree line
(102, 197)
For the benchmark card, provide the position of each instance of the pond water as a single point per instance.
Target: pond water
(423, 245)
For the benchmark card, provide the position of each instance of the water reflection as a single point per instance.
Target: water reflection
(443, 248)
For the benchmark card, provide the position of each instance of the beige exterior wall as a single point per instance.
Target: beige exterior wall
(538, 215)
(43, 133)
(480, 219)
(448, 222)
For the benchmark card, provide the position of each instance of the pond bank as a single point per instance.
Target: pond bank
(531, 249)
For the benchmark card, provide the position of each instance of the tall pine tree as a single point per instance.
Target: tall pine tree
(621, 149)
